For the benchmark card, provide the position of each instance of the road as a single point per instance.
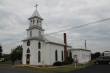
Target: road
(95, 69)
(92, 69)
(12, 69)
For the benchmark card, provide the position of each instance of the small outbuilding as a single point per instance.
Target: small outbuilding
(81, 55)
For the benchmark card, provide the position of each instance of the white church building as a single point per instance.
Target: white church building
(39, 49)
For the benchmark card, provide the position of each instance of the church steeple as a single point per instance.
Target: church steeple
(36, 19)
(35, 29)
(36, 13)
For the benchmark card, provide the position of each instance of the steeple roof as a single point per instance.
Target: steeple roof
(36, 13)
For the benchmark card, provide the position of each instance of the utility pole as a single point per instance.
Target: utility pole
(85, 45)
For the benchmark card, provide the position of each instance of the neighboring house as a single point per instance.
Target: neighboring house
(82, 55)
(38, 48)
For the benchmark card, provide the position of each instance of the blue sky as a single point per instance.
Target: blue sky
(58, 15)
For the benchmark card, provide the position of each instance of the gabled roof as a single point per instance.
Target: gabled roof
(54, 40)
(77, 49)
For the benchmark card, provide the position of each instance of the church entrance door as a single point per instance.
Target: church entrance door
(28, 59)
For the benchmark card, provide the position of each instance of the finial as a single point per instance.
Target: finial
(36, 5)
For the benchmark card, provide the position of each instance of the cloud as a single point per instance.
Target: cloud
(58, 15)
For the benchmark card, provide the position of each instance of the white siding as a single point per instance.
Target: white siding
(50, 53)
(24, 53)
(33, 52)
(82, 56)
(47, 53)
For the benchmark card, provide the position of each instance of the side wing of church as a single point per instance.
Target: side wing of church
(39, 49)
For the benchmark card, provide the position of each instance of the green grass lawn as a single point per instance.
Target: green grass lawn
(54, 69)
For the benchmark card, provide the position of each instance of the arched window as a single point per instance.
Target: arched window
(39, 45)
(37, 21)
(28, 43)
(30, 33)
(31, 20)
(28, 59)
(62, 55)
(28, 50)
(39, 56)
(39, 33)
(28, 56)
(56, 56)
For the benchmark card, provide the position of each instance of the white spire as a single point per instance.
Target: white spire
(36, 13)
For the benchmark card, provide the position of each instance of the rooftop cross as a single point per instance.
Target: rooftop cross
(36, 5)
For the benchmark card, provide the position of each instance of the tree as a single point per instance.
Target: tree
(6, 57)
(69, 59)
(16, 54)
(1, 51)
(95, 55)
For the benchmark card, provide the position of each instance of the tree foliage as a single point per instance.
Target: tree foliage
(95, 55)
(16, 54)
(1, 51)
(69, 59)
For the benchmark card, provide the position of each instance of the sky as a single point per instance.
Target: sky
(58, 15)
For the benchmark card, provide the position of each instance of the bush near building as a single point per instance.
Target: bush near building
(69, 60)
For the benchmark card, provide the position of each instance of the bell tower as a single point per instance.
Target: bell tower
(35, 25)
(34, 42)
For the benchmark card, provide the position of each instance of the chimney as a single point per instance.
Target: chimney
(85, 45)
(65, 47)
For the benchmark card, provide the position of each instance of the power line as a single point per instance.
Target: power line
(80, 26)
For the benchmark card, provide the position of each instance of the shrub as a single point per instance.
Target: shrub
(58, 63)
(69, 60)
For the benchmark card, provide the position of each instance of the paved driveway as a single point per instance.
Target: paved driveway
(95, 69)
